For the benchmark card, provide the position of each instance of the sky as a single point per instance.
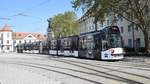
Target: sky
(31, 15)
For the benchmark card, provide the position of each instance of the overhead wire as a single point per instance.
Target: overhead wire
(23, 13)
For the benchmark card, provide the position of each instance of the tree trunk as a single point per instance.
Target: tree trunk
(95, 23)
(146, 39)
(95, 26)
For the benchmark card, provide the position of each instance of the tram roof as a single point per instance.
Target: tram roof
(104, 30)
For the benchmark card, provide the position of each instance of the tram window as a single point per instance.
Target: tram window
(90, 43)
(73, 45)
(115, 40)
(53, 44)
(105, 46)
(82, 44)
(97, 44)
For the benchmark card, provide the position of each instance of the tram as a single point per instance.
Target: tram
(105, 44)
(39, 47)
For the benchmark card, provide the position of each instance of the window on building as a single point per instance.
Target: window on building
(129, 28)
(20, 41)
(25, 41)
(2, 35)
(129, 42)
(107, 22)
(7, 41)
(7, 35)
(8, 48)
(138, 42)
(14, 41)
(29, 41)
(92, 27)
(122, 29)
(146, 10)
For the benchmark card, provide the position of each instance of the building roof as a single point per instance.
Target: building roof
(22, 35)
(5, 28)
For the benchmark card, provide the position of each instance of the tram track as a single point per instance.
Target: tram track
(145, 66)
(109, 76)
(94, 68)
(71, 62)
(114, 65)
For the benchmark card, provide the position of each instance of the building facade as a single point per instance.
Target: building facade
(25, 37)
(9, 39)
(132, 35)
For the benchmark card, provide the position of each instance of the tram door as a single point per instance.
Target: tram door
(105, 54)
(97, 47)
(104, 45)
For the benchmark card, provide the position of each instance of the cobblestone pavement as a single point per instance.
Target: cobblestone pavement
(41, 69)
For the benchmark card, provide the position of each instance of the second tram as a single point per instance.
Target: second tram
(67, 46)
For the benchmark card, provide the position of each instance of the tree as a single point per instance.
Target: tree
(134, 11)
(64, 24)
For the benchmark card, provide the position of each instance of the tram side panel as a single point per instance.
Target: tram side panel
(90, 46)
(68, 46)
(44, 47)
(64, 45)
(53, 47)
(74, 46)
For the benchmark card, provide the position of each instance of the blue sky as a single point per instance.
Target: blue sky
(31, 15)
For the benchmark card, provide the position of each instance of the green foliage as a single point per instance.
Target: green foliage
(64, 24)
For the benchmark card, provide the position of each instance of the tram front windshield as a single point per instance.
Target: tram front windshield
(114, 40)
